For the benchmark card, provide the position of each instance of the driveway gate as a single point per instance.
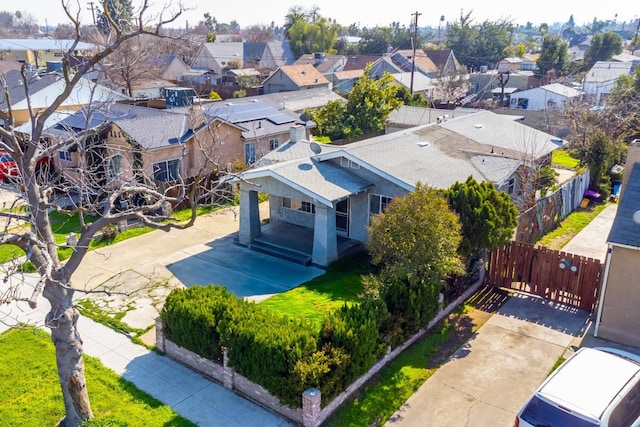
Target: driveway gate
(557, 276)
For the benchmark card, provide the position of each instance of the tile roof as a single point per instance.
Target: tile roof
(624, 230)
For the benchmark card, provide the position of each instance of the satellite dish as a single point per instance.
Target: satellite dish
(315, 147)
(305, 117)
(636, 217)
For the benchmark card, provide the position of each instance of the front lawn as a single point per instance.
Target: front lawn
(31, 393)
(314, 299)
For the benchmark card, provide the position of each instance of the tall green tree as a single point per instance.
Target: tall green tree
(368, 106)
(554, 55)
(416, 239)
(310, 37)
(477, 45)
(488, 216)
(114, 14)
(602, 48)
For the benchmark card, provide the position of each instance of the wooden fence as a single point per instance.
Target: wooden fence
(558, 276)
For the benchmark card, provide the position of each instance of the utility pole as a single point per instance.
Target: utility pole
(415, 41)
(93, 13)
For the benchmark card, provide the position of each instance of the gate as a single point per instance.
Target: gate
(557, 276)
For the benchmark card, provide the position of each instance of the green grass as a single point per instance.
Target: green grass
(570, 226)
(31, 392)
(398, 380)
(314, 299)
(564, 159)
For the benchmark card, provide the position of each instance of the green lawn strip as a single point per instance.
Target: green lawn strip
(62, 225)
(571, 226)
(314, 299)
(31, 393)
(399, 379)
(564, 159)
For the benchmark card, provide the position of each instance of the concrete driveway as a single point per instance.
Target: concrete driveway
(488, 380)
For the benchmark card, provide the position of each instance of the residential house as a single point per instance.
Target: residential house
(37, 52)
(247, 129)
(43, 88)
(416, 83)
(298, 101)
(359, 62)
(244, 77)
(618, 317)
(265, 57)
(344, 81)
(295, 77)
(548, 97)
(169, 67)
(481, 84)
(326, 194)
(601, 78)
(529, 62)
(433, 63)
(326, 64)
(510, 64)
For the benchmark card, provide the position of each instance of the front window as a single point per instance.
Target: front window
(512, 186)
(115, 166)
(250, 153)
(298, 205)
(378, 204)
(273, 144)
(169, 170)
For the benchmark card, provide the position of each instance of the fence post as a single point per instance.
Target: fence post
(227, 372)
(311, 407)
(159, 334)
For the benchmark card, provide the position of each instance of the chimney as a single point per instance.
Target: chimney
(633, 157)
(298, 133)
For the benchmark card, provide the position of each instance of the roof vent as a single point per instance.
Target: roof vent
(478, 126)
(423, 144)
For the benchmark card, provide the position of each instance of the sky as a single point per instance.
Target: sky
(264, 12)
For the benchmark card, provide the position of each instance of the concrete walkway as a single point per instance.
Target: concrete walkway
(591, 241)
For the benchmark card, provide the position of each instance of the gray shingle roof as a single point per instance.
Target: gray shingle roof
(624, 231)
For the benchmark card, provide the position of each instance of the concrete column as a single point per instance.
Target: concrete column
(325, 242)
(159, 335)
(311, 407)
(249, 217)
(228, 372)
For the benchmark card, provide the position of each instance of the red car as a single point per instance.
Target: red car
(9, 168)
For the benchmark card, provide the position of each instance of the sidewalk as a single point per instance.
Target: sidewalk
(130, 266)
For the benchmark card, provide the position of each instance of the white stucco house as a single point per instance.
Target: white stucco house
(548, 97)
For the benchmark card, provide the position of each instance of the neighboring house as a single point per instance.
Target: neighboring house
(601, 78)
(37, 52)
(548, 97)
(295, 77)
(359, 62)
(504, 93)
(483, 83)
(432, 63)
(344, 81)
(43, 88)
(529, 62)
(416, 83)
(626, 57)
(245, 77)
(332, 191)
(218, 56)
(298, 101)
(326, 64)
(510, 64)
(618, 317)
(405, 117)
(247, 129)
(169, 67)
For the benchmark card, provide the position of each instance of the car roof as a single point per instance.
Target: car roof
(589, 380)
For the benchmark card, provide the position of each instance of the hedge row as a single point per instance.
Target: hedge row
(288, 356)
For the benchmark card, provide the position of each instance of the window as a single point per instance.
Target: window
(250, 152)
(273, 144)
(64, 155)
(512, 186)
(115, 166)
(298, 205)
(346, 163)
(169, 170)
(378, 204)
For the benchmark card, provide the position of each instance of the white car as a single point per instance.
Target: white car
(593, 387)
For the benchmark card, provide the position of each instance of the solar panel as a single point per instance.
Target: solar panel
(249, 112)
(80, 121)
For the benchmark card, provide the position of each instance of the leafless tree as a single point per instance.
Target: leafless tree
(96, 191)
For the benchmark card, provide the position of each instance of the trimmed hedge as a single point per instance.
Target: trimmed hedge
(288, 356)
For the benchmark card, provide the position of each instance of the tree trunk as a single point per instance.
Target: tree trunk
(62, 320)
